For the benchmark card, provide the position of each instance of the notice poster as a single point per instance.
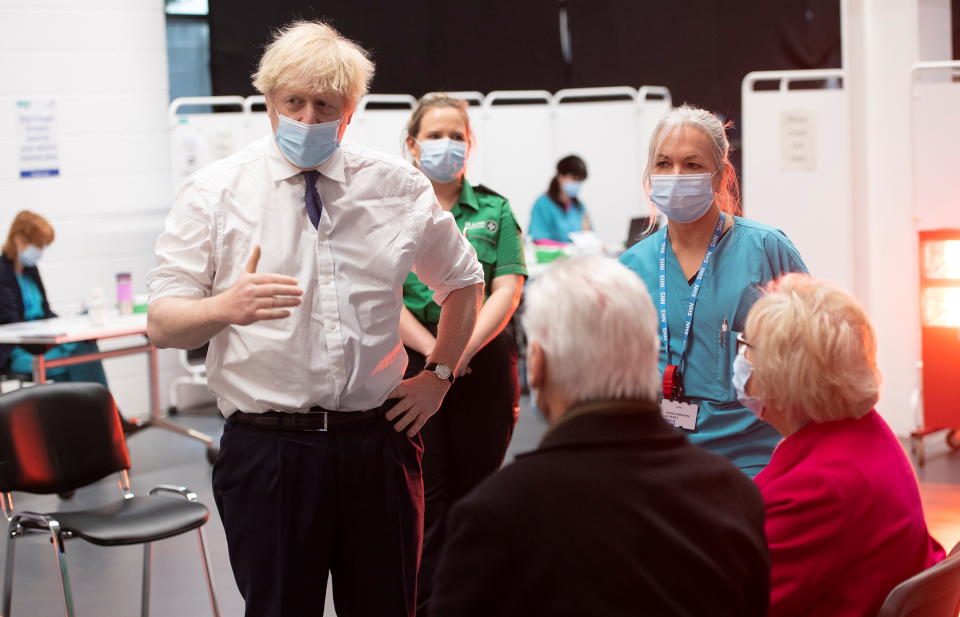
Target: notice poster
(37, 131)
(798, 140)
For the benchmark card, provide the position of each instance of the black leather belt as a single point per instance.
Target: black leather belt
(316, 419)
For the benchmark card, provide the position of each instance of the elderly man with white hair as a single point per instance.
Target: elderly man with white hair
(616, 512)
(289, 257)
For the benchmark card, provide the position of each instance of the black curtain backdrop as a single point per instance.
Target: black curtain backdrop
(700, 50)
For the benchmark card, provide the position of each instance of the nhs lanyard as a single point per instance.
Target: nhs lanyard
(664, 328)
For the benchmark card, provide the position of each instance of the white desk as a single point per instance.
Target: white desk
(70, 329)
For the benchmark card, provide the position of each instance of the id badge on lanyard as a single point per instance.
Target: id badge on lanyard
(674, 409)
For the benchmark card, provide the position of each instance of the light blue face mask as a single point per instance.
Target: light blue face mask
(683, 198)
(307, 145)
(742, 370)
(572, 189)
(30, 255)
(442, 160)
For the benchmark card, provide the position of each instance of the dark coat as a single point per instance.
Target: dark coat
(614, 514)
(11, 300)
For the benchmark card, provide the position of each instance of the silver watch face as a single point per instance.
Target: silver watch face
(443, 371)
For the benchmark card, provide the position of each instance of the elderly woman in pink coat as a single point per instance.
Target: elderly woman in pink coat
(844, 521)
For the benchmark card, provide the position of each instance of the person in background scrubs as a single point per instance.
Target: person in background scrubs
(704, 270)
(560, 211)
(467, 439)
(23, 298)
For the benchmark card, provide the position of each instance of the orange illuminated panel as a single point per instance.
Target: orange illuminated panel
(941, 259)
(941, 307)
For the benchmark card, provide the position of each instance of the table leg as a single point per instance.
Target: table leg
(39, 369)
(158, 421)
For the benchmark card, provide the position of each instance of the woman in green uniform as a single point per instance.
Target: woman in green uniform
(467, 438)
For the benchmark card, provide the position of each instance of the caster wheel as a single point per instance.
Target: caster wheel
(953, 440)
(212, 454)
(171, 410)
(67, 495)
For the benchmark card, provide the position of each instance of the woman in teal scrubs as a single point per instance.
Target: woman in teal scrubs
(708, 264)
(23, 298)
(559, 211)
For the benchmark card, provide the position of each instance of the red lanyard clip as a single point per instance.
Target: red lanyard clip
(672, 383)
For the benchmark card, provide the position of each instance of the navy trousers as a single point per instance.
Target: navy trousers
(297, 505)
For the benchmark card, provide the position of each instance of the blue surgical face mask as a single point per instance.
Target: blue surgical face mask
(742, 370)
(683, 198)
(30, 255)
(307, 145)
(572, 189)
(442, 160)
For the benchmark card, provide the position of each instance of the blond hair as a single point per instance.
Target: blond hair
(312, 53)
(813, 351)
(33, 227)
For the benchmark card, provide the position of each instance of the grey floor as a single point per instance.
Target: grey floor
(106, 581)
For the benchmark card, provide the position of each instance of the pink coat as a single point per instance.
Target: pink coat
(844, 520)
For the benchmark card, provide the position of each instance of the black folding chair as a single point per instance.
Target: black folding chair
(935, 592)
(55, 438)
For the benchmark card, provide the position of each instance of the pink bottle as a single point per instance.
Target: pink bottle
(124, 293)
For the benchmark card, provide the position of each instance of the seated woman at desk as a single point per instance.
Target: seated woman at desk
(559, 211)
(23, 298)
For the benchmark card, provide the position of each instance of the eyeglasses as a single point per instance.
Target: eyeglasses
(742, 342)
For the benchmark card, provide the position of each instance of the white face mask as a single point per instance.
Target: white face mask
(30, 255)
(742, 370)
(683, 198)
(442, 160)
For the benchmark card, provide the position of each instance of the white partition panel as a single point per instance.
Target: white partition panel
(381, 129)
(936, 127)
(796, 167)
(198, 139)
(653, 102)
(257, 122)
(518, 153)
(599, 125)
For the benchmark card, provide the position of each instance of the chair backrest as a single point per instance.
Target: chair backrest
(58, 437)
(195, 360)
(935, 592)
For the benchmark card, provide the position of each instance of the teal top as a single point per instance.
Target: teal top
(748, 256)
(32, 298)
(549, 221)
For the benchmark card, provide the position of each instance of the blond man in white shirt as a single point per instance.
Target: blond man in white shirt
(288, 257)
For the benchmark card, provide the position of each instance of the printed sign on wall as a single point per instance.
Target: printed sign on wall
(37, 131)
(798, 143)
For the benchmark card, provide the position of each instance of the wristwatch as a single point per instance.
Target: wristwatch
(441, 371)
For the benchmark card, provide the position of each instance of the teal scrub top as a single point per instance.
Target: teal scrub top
(748, 256)
(32, 298)
(549, 221)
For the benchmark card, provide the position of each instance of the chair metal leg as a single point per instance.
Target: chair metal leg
(145, 594)
(205, 558)
(13, 530)
(62, 562)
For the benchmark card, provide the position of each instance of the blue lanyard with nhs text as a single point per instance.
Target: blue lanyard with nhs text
(672, 374)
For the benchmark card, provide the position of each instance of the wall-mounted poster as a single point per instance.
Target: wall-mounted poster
(37, 131)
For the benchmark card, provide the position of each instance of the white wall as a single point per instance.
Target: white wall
(104, 64)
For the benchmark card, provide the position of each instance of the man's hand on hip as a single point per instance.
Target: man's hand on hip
(254, 296)
(420, 398)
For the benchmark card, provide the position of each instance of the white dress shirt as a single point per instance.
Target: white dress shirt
(340, 349)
